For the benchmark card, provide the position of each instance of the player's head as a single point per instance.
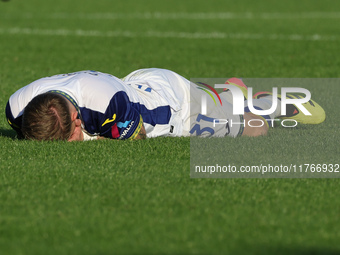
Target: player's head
(47, 117)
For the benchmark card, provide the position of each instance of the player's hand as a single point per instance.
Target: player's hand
(253, 131)
(141, 134)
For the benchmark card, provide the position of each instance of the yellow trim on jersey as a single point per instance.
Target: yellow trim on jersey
(12, 124)
(134, 135)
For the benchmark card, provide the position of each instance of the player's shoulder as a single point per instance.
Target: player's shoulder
(79, 74)
(88, 79)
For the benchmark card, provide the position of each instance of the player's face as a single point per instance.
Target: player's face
(76, 133)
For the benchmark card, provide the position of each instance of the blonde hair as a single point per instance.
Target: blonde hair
(47, 117)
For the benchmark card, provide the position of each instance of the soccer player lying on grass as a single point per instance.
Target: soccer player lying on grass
(153, 102)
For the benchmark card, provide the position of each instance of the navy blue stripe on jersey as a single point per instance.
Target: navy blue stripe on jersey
(91, 120)
(160, 115)
(9, 115)
(15, 123)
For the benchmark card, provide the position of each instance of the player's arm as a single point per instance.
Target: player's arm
(122, 119)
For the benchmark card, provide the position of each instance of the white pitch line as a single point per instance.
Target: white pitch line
(182, 16)
(159, 34)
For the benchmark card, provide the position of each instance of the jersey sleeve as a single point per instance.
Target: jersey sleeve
(15, 123)
(122, 119)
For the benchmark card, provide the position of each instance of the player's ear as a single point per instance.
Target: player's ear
(74, 116)
(77, 122)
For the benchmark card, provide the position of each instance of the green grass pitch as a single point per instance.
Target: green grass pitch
(113, 197)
